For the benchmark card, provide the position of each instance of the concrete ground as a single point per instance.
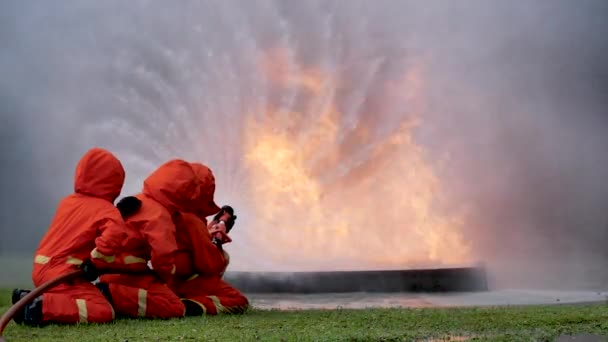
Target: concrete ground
(423, 300)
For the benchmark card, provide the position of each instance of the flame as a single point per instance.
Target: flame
(278, 69)
(331, 197)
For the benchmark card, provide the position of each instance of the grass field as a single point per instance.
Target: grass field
(536, 323)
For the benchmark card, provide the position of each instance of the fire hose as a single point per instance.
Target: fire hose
(8, 316)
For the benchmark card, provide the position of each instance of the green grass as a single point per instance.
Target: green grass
(532, 323)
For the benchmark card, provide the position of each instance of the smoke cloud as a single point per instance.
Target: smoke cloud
(499, 109)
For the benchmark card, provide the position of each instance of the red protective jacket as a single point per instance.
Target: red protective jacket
(86, 220)
(167, 191)
(196, 254)
(200, 263)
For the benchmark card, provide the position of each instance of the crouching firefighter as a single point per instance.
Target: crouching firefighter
(86, 222)
(170, 189)
(201, 260)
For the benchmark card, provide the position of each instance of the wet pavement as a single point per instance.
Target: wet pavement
(422, 300)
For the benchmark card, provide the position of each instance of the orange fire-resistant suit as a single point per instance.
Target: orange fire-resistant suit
(200, 264)
(172, 188)
(86, 222)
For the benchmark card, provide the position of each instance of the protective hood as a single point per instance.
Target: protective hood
(100, 174)
(174, 185)
(205, 204)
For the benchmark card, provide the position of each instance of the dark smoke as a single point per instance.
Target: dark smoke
(518, 92)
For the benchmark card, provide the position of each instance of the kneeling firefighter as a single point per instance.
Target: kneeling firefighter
(201, 260)
(85, 223)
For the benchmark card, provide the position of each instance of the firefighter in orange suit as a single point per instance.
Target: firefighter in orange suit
(86, 222)
(171, 189)
(201, 260)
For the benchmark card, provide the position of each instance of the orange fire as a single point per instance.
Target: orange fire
(331, 197)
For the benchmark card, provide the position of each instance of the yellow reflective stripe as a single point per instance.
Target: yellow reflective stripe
(142, 295)
(73, 261)
(131, 259)
(41, 259)
(82, 310)
(97, 255)
(173, 269)
(218, 305)
(193, 277)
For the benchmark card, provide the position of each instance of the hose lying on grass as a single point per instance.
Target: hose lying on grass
(6, 318)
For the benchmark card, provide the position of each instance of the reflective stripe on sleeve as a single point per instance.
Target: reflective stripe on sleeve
(131, 259)
(95, 254)
(74, 261)
(41, 259)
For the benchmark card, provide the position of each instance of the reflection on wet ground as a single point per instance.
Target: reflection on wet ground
(361, 300)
